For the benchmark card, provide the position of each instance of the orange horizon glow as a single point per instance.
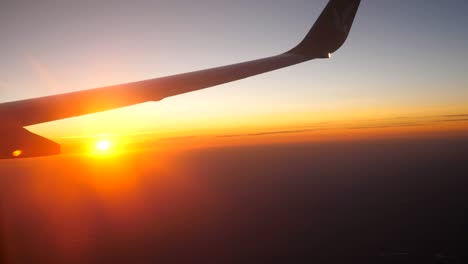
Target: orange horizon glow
(124, 130)
(363, 126)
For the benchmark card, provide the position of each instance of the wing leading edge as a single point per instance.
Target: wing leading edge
(326, 36)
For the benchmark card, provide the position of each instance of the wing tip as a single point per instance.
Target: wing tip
(330, 31)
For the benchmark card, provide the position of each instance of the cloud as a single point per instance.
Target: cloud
(272, 132)
(361, 124)
(180, 138)
(458, 115)
(454, 120)
(378, 123)
(385, 119)
(407, 124)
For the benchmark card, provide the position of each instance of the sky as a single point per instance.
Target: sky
(403, 60)
(400, 76)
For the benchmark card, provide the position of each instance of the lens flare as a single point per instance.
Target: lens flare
(17, 153)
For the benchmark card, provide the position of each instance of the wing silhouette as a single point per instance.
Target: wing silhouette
(323, 39)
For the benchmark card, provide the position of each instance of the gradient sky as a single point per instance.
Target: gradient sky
(402, 59)
(402, 73)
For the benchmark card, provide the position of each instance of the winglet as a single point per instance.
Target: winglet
(330, 30)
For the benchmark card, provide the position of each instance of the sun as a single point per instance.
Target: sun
(103, 145)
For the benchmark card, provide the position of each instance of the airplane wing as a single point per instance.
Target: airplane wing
(326, 36)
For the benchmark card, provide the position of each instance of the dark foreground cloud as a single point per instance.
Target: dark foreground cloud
(398, 201)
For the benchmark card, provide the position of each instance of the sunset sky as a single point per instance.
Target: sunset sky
(403, 68)
(364, 153)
